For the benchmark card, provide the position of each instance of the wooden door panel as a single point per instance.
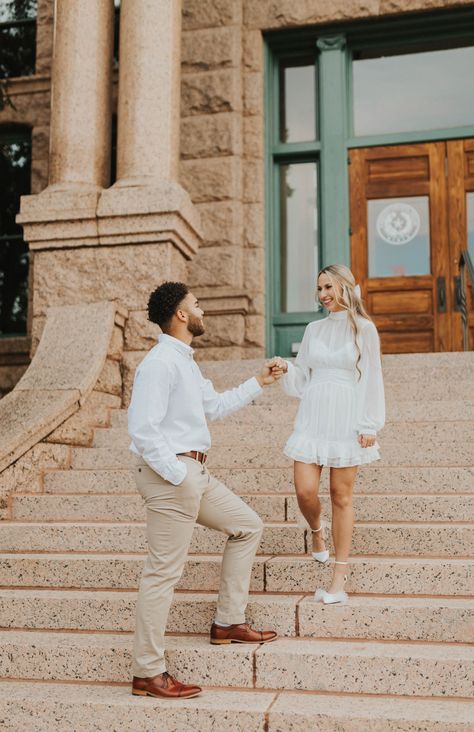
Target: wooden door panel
(404, 306)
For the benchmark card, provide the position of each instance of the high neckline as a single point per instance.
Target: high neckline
(176, 344)
(339, 315)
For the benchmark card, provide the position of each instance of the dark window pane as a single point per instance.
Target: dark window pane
(299, 237)
(414, 91)
(17, 37)
(15, 171)
(116, 30)
(297, 101)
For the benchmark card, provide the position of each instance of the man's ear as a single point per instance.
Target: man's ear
(181, 315)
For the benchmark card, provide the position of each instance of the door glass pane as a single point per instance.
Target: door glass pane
(399, 237)
(413, 91)
(297, 101)
(470, 224)
(299, 237)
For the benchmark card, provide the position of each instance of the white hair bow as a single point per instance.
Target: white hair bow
(357, 291)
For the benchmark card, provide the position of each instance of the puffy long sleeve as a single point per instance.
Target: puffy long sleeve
(298, 374)
(370, 389)
(150, 397)
(218, 405)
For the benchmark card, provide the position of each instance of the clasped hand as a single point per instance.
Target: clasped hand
(271, 371)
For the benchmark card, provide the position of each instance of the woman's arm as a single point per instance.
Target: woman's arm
(297, 374)
(371, 397)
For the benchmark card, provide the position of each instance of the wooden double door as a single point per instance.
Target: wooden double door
(412, 211)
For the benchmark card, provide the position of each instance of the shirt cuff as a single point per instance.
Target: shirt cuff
(252, 387)
(368, 432)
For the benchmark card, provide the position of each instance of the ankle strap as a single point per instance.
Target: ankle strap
(336, 562)
(315, 531)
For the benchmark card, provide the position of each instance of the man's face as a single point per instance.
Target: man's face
(195, 313)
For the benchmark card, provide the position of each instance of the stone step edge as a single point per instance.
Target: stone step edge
(268, 524)
(267, 494)
(266, 703)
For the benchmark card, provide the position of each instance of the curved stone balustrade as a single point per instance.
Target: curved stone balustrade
(65, 369)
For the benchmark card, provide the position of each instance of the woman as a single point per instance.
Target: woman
(338, 377)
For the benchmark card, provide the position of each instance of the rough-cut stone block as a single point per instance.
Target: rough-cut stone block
(131, 359)
(140, 333)
(252, 44)
(392, 668)
(326, 713)
(254, 270)
(253, 128)
(211, 92)
(210, 136)
(213, 179)
(216, 266)
(253, 93)
(116, 344)
(47, 707)
(253, 181)
(255, 330)
(210, 14)
(286, 13)
(206, 50)
(79, 429)
(222, 330)
(124, 273)
(110, 379)
(405, 6)
(89, 481)
(221, 223)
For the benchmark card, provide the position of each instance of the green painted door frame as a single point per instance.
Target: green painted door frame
(332, 49)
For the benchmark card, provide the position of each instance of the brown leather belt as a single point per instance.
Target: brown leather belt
(195, 455)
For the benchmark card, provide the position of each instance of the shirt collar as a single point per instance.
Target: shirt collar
(338, 315)
(176, 344)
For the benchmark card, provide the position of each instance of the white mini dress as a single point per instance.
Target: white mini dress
(337, 405)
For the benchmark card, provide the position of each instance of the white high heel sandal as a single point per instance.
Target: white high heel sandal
(323, 556)
(334, 598)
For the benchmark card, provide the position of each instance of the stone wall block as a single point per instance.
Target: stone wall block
(222, 330)
(255, 330)
(207, 50)
(207, 136)
(254, 225)
(44, 36)
(110, 379)
(211, 179)
(253, 181)
(216, 266)
(253, 93)
(211, 92)
(253, 133)
(116, 344)
(140, 333)
(79, 429)
(130, 361)
(406, 6)
(9, 376)
(254, 270)
(252, 50)
(210, 13)
(221, 222)
(267, 14)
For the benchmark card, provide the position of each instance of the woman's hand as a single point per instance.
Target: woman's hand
(278, 365)
(367, 440)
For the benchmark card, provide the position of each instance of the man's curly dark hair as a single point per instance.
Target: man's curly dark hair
(164, 302)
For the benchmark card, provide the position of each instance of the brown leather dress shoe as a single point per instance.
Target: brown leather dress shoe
(241, 633)
(163, 685)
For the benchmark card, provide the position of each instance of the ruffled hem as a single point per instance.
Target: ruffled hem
(332, 454)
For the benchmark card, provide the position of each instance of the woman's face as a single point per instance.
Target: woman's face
(328, 290)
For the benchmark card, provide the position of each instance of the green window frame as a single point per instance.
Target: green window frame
(333, 48)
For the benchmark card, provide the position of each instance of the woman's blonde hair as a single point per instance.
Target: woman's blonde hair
(351, 300)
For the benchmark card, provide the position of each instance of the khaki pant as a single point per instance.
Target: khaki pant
(171, 514)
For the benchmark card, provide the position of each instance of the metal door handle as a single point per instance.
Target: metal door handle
(458, 294)
(441, 294)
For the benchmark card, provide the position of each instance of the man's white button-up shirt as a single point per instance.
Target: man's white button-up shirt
(170, 402)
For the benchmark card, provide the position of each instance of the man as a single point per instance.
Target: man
(167, 424)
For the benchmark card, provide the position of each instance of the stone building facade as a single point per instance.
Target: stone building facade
(188, 205)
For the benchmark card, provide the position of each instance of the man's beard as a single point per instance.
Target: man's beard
(195, 326)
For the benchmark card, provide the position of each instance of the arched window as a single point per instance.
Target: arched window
(15, 178)
(17, 37)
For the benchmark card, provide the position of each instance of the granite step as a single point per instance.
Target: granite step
(225, 434)
(429, 539)
(407, 669)
(273, 507)
(371, 618)
(370, 479)
(52, 707)
(447, 454)
(368, 575)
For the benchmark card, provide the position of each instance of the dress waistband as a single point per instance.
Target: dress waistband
(320, 375)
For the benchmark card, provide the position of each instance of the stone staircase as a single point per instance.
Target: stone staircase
(399, 656)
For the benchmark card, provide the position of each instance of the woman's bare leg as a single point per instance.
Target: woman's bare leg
(307, 478)
(341, 482)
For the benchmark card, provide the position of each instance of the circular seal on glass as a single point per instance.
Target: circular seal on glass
(398, 223)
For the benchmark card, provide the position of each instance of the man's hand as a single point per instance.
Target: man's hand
(367, 440)
(271, 371)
